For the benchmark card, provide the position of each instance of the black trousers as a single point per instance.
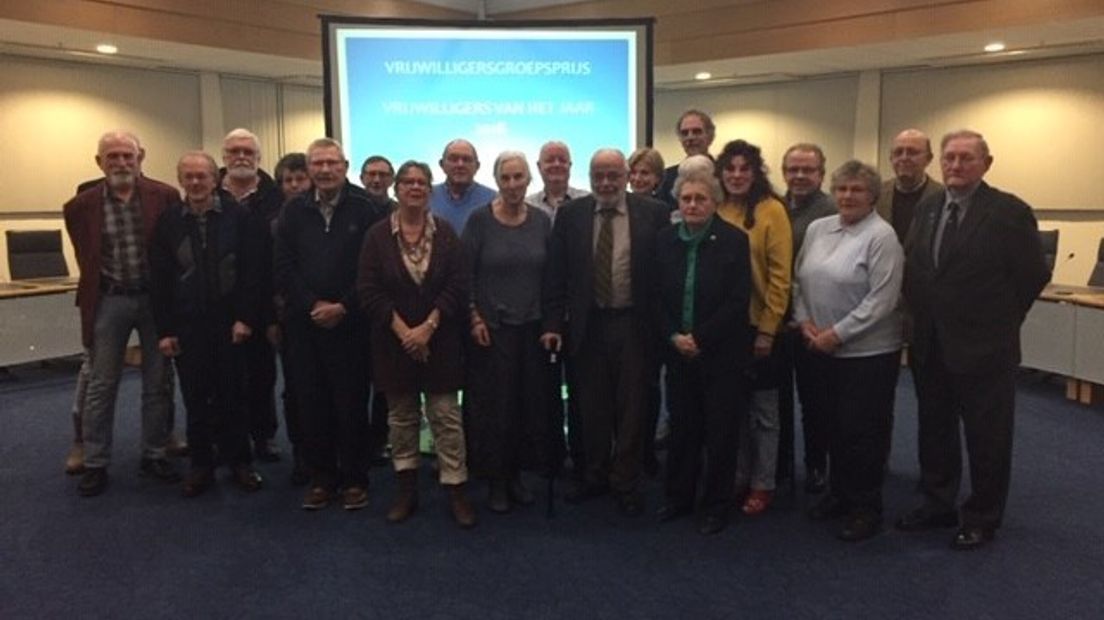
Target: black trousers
(856, 395)
(260, 386)
(211, 368)
(985, 403)
(331, 383)
(507, 422)
(615, 372)
(706, 407)
(796, 369)
(292, 424)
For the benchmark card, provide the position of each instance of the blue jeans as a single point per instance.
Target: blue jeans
(116, 317)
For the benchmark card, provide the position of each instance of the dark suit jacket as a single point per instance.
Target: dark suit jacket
(722, 293)
(884, 206)
(84, 218)
(569, 279)
(384, 286)
(974, 303)
(192, 282)
(667, 186)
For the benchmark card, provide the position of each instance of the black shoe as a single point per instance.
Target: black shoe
(631, 504)
(198, 481)
(519, 493)
(159, 469)
(923, 518)
(815, 481)
(860, 527)
(970, 538)
(247, 478)
(829, 507)
(670, 512)
(582, 491)
(93, 482)
(712, 524)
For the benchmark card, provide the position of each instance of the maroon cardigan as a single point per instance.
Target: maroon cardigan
(384, 285)
(84, 218)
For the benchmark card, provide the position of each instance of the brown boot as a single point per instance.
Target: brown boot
(462, 509)
(406, 502)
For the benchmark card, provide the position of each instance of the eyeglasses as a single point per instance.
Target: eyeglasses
(611, 175)
(241, 151)
(805, 170)
(958, 158)
(413, 182)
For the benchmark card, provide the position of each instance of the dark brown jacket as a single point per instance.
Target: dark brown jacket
(384, 286)
(84, 218)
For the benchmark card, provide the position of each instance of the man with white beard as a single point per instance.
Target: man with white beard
(255, 190)
(111, 226)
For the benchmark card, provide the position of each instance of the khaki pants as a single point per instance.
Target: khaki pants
(443, 412)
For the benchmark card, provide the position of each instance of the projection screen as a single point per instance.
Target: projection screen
(404, 88)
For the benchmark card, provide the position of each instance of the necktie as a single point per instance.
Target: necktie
(603, 260)
(950, 231)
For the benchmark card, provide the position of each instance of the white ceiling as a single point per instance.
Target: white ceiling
(1042, 40)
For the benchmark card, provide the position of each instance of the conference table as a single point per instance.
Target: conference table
(1064, 334)
(38, 320)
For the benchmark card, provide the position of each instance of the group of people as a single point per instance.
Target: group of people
(702, 269)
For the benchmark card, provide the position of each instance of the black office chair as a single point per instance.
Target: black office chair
(35, 254)
(1097, 276)
(1049, 240)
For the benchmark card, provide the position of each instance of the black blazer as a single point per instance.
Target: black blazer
(569, 277)
(722, 293)
(974, 303)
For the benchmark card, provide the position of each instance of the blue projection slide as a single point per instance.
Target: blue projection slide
(405, 97)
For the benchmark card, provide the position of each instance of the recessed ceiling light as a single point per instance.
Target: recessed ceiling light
(995, 46)
(703, 75)
(106, 48)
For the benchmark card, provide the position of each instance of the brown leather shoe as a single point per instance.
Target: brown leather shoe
(316, 498)
(74, 461)
(197, 481)
(176, 448)
(247, 478)
(354, 497)
(406, 502)
(462, 509)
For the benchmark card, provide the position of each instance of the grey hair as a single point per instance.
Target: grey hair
(326, 143)
(409, 165)
(201, 155)
(241, 132)
(966, 133)
(506, 156)
(707, 178)
(706, 119)
(697, 163)
(608, 151)
(856, 170)
(452, 143)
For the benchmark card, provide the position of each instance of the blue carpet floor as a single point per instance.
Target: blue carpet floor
(141, 551)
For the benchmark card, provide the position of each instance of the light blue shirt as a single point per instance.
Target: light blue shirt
(456, 212)
(848, 277)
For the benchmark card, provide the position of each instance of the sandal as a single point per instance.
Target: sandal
(757, 502)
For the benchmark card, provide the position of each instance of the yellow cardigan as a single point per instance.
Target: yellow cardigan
(771, 242)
